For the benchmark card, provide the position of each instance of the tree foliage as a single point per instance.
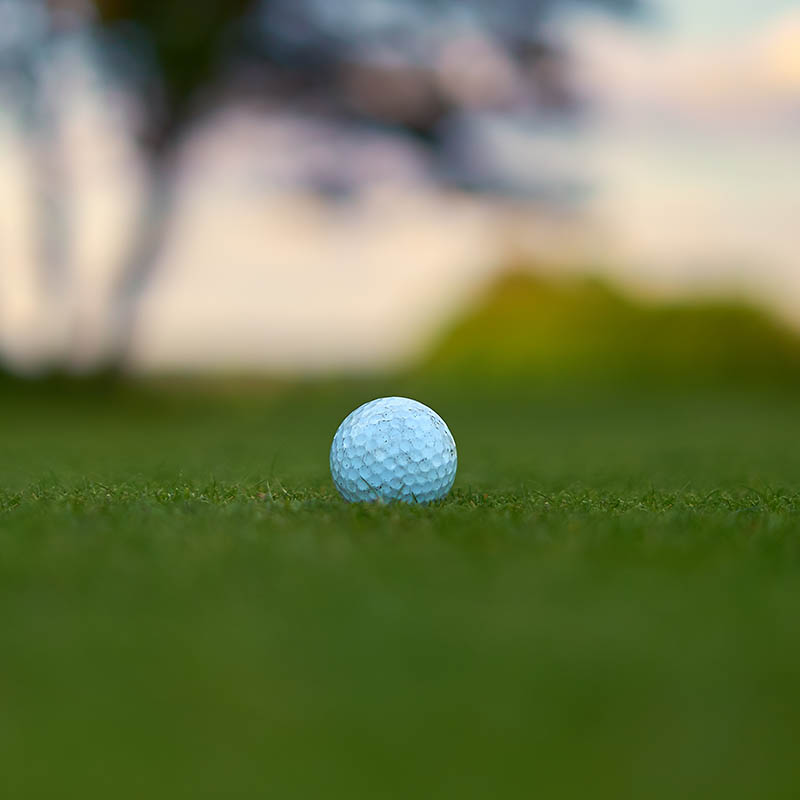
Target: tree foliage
(297, 48)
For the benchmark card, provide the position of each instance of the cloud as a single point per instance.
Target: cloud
(751, 76)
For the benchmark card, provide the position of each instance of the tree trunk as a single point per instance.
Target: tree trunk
(142, 260)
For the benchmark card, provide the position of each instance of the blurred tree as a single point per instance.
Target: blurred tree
(168, 51)
(390, 61)
(178, 46)
(315, 51)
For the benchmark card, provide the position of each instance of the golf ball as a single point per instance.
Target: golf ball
(393, 448)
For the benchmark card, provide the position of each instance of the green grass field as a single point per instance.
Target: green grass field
(607, 606)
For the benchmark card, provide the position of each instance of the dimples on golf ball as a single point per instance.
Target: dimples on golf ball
(393, 448)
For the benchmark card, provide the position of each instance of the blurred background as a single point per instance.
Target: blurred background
(304, 187)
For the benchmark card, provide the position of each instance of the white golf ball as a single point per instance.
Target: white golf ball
(393, 448)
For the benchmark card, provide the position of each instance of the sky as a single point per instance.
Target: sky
(737, 62)
(709, 20)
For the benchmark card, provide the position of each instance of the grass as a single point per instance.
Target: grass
(607, 605)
